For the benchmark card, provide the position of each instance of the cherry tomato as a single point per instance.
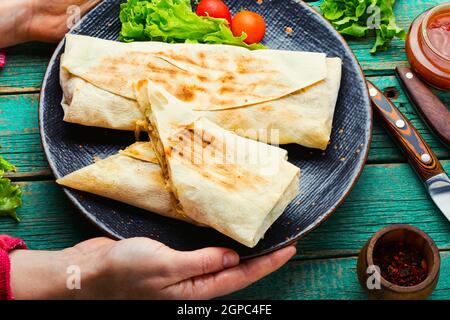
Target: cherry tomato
(251, 23)
(215, 9)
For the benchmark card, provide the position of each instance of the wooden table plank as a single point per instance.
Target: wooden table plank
(50, 222)
(27, 63)
(385, 194)
(25, 67)
(20, 141)
(324, 279)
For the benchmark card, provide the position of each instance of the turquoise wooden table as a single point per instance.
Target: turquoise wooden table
(324, 268)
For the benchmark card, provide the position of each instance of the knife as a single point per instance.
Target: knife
(418, 153)
(431, 109)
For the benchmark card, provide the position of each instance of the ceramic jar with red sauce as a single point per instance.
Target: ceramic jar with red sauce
(428, 46)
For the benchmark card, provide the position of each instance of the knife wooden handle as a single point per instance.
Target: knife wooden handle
(428, 105)
(415, 148)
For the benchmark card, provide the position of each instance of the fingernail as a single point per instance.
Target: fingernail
(230, 259)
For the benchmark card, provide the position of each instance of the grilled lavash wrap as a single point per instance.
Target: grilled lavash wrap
(293, 93)
(132, 176)
(235, 185)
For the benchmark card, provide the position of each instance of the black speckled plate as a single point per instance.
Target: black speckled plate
(327, 177)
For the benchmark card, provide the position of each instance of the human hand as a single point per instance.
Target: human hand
(50, 19)
(137, 268)
(39, 20)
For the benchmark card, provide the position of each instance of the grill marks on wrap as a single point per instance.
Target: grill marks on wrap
(208, 155)
(187, 92)
(186, 78)
(141, 151)
(220, 62)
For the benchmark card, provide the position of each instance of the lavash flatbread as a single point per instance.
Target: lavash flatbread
(298, 109)
(235, 185)
(127, 177)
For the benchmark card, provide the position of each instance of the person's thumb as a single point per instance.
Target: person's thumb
(204, 261)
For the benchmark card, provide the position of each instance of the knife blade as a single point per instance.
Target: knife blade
(439, 190)
(416, 150)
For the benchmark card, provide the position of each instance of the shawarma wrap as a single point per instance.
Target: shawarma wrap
(235, 185)
(288, 95)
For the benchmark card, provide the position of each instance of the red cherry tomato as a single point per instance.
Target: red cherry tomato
(215, 9)
(251, 23)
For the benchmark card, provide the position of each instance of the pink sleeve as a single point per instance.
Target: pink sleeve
(7, 244)
(2, 58)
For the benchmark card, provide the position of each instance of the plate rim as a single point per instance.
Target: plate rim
(301, 234)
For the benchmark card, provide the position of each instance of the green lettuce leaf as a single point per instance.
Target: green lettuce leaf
(352, 17)
(5, 166)
(174, 21)
(10, 195)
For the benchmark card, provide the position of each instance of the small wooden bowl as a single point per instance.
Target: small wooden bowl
(387, 290)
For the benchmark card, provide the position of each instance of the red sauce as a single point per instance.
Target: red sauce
(439, 33)
(428, 46)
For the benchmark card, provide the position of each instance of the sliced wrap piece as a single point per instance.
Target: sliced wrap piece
(235, 185)
(132, 176)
